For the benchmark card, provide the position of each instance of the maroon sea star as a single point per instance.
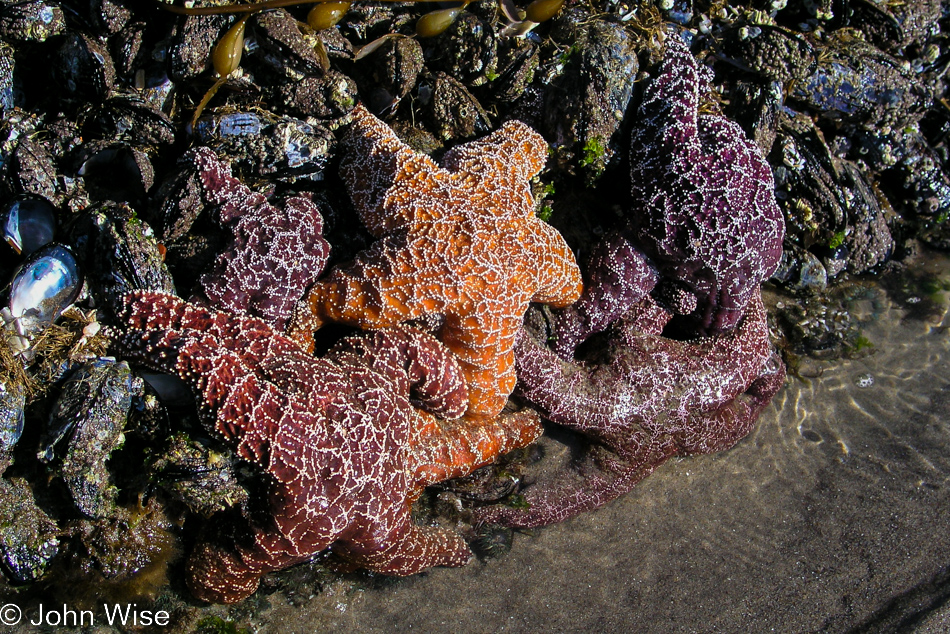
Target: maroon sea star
(343, 451)
(460, 240)
(704, 207)
(276, 254)
(651, 399)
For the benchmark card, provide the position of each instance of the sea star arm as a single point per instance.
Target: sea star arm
(407, 549)
(425, 369)
(495, 171)
(654, 398)
(151, 316)
(432, 376)
(275, 254)
(618, 276)
(388, 182)
(605, 476)
(558, 277)
(374, 290)
(671, 101)
(227, 570)
(443, 450)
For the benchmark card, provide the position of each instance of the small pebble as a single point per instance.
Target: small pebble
(864, 380)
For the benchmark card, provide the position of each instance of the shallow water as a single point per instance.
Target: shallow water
(831, 516)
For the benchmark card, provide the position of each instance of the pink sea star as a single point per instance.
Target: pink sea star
(461, 241)
(343, 451)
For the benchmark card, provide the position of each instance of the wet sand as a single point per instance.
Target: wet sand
(832, 516)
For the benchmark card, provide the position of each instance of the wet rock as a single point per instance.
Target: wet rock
(584, 105)
(32, 21)
(29, 539)
(201, 477)
(91, 412)
(121, 254)
(455, 113)
(129, 550)
(466, 51)
(328, 97)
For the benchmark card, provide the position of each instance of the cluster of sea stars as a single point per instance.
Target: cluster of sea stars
(461, 241)
(651, 398)
(705, 217)
(346, 442)
(344, 451)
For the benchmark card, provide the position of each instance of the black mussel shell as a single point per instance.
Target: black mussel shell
(28, 224)
(44, 286)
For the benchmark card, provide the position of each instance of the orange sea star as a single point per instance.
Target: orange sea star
(461, 240)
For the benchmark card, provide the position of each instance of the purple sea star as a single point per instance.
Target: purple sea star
(343, 451)
(704, 233)
(651, 399)
(275, 255)
(704, 207)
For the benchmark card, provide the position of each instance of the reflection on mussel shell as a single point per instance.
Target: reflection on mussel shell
(29, 224)
(12, 402)
(47, 283)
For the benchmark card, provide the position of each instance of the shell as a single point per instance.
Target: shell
(92, 410)
(12, 402)
(83, 68)
(28, 224)
(44, 286)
